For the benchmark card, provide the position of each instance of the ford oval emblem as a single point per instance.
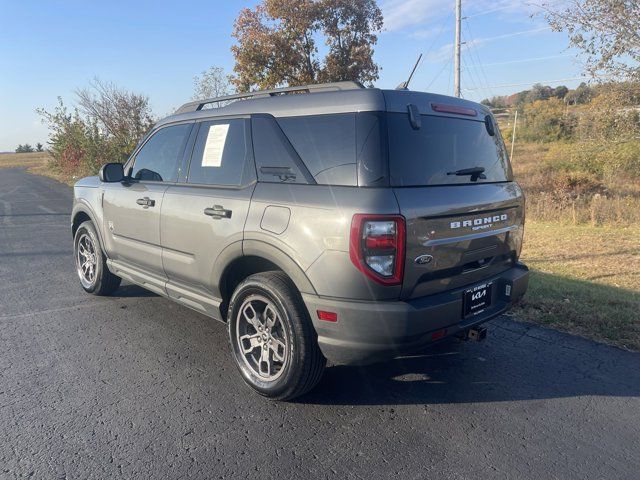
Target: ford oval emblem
(423, 259)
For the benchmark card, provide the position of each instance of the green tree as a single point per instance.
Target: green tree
(38, 147)
(560, 92)
(580, 96)
(277, 42)
(606, 31)
(26, 148)
(538, 92)
(211, 83)
(105, 127)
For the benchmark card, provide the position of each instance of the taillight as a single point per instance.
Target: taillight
(376, 246)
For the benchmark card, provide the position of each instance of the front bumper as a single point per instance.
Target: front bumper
(367, 332)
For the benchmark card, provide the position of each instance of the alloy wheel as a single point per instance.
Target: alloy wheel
(261, 337)
(86, 260)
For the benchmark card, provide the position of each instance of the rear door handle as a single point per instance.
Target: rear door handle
(217, 212)
(146, 202)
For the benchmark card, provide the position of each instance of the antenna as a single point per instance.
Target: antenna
(405, 85)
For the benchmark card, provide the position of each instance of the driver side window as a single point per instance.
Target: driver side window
(158, 159)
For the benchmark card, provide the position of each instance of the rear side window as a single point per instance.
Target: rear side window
(442, 146)
(158, 158)
(220, 154)
(276, 160)
(326, 144)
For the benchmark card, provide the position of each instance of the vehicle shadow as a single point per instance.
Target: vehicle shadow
(130, 290)
(518, 362)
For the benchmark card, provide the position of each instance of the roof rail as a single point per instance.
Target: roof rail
(322, 87)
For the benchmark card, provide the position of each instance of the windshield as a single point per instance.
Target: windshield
(442, 146)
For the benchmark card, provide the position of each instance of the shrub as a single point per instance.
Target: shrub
(104, 128)
(546, 121)
(606, 160)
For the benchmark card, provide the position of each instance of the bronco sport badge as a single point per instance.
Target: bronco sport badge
(479, 223)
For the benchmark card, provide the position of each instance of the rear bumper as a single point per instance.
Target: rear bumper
(367, 332)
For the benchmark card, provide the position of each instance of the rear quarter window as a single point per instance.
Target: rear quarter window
(326, 144)
(443, 145)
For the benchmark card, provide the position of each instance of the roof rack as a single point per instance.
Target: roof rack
(322, 87)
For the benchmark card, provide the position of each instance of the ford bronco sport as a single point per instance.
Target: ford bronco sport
(320, 222)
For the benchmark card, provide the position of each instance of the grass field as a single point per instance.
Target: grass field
(584, 280)
(29, 160)
(36, 162)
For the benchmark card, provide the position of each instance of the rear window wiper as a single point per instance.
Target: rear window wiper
(475, 173)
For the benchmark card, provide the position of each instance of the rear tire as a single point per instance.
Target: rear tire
(272, 339)
(91, 262)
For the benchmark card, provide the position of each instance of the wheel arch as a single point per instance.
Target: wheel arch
(82, 212)
(258, 257)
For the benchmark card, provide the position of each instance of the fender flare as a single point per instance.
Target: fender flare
(83, 206)
(282, 260)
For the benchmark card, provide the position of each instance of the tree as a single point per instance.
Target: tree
(538, 92)
(38, 147)
(580, 95)
(211, 83)
(276, 42)
(26, 148)
(105, 127)
(122, 116)
(607, 32)
(560, 92)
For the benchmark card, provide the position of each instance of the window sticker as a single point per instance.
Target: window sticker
(214, 147)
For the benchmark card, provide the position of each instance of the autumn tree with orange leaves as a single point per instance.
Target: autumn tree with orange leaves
(277, 42)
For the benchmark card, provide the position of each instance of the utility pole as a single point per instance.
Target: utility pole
(513, 136)
(456, 56)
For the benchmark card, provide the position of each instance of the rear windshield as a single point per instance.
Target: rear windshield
(442, 146)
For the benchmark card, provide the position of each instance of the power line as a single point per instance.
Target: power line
(529, 83)
(508, 35)
(442, 27)
(475, 51)
(444, 66)
(490, 11)
(524, 60)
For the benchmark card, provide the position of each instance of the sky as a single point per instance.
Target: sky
(49, 49)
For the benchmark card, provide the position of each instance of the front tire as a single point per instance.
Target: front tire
(273, 341)
(91, 262)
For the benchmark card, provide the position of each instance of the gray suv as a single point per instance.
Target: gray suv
(319, 222)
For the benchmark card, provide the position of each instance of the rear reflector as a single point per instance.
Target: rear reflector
(439, 334)
(446, 108)
(327, 316)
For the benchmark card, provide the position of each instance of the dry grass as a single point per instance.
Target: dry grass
(585, 280)
(38, 163)
(573, 198)
(29, 160)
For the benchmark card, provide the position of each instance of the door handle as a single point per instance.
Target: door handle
(146, 202)
(217, 212)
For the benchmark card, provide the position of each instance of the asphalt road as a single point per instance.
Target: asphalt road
(135, 386)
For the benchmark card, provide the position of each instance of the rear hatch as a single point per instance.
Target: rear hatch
(451, 175)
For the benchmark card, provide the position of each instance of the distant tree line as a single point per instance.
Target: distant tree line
(596, 134)
(26, 148)
(578, 96)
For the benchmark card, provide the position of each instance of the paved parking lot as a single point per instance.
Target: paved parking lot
(135, 386)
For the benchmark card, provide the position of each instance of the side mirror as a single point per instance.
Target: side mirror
(111, 173)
